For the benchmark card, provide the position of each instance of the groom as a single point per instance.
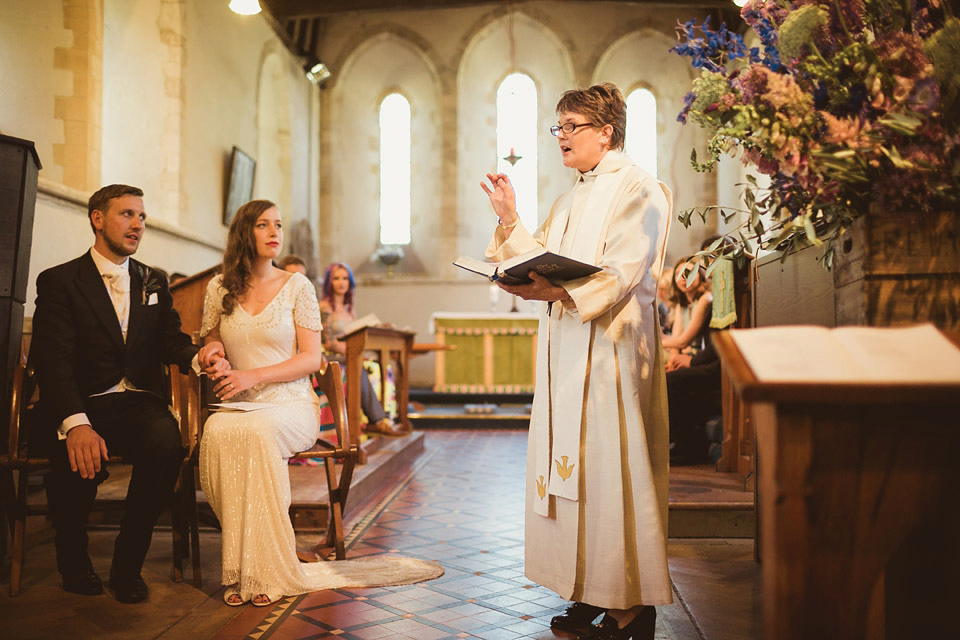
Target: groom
(103, 327)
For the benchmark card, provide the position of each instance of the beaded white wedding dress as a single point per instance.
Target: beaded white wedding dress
(243, 458)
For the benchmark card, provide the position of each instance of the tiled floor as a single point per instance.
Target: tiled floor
(462, 506)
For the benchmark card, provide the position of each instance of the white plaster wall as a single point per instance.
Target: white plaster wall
(30, 30)
(382, 65)
(273, 176)
(223, 61)
(134, 100)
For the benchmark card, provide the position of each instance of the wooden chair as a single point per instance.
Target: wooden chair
(343, 451)
(17, 459)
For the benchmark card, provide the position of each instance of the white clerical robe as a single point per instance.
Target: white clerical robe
(598, 450)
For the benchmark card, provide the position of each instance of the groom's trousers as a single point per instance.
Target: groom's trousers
(137, 427)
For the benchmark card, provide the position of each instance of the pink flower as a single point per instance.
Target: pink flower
(847, 132)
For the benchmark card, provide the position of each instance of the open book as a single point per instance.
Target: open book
(369, 320)
(850, 355)
(553, 267)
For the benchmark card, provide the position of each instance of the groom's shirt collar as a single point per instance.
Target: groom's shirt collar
(104, 265)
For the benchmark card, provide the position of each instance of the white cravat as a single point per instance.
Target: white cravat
(117, 280)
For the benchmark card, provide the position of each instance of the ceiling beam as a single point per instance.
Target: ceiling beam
(286, 9)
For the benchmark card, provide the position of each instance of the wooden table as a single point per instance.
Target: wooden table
(389, 345)
(859, 526)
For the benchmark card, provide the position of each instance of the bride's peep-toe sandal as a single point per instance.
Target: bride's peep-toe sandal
(232, 598)
(270, 600)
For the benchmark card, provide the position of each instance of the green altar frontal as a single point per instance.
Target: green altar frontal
(492, 352)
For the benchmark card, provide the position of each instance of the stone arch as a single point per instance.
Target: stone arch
(386, 62)
(274, 157)
(491, 18)
(370, 36)
(543, 56)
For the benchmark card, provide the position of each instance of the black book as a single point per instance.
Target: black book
(552, 266)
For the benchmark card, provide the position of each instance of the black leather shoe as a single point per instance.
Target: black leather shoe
(86, 583)
(577, 617)
(129, 590)
(640, 628)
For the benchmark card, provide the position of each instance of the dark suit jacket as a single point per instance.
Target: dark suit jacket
(77, 348)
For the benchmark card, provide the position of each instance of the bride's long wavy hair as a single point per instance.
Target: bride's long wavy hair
(241, 251)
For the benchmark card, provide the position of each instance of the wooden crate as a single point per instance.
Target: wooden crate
(892, 270)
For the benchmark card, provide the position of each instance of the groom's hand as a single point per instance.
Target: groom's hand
(218, 366)
(86, 449)
(211, 352)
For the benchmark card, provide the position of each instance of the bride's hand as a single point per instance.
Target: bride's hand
(233, 382)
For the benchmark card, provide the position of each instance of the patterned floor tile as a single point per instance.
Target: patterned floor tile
(463, 508)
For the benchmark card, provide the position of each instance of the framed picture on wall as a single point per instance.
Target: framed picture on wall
(239, 184)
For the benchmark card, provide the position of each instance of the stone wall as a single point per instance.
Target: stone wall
(448, 63)
(153, 93)
(157, 92)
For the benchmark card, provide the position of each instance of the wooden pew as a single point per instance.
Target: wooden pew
(737, 446)
(188, 295)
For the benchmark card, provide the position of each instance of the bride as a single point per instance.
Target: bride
(266, 323)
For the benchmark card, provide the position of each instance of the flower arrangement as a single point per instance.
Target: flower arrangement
(850, 107)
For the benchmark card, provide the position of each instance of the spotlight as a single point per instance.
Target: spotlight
(317, 73)
(245, 7)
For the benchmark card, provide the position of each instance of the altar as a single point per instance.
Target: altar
(491, 352)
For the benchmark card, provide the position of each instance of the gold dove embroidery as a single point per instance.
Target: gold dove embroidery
(541, 487)
(563, 468)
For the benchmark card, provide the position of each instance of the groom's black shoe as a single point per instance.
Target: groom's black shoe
(128, 590)
(86, 583)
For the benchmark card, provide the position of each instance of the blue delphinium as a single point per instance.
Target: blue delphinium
(766, 30)
(714, 49)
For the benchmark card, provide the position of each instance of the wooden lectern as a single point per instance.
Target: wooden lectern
(859, 529)
(390, 345)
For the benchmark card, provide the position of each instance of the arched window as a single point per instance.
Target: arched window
(395, 170)
(517, 136)
(642, 129)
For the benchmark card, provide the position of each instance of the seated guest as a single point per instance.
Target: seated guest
(267, 323)
(104, 327)
(295, 264)
(692, 308)
(693, 398)
(292, 263)
(336, 308)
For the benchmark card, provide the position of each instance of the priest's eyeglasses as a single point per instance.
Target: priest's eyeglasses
(569, 127)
